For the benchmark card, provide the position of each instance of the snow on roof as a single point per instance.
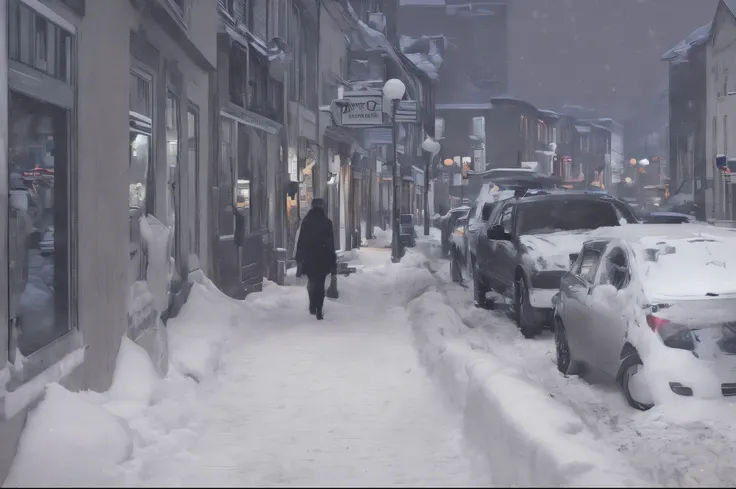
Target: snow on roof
(679, 53)
(424, 53)
(374, 39)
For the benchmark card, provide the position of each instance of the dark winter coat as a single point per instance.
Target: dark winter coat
(315, 249)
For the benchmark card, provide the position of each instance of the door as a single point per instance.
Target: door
(226, 253)
(580, 321)
(504, 253)
(603, 309)
(174, 194)
(470, 226)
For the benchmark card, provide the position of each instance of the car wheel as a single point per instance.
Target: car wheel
(523, 312)
(565, 362)
(455, 273)
(633, 384)
(480, 289)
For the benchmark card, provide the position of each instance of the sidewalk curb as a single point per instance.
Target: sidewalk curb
(526, 438)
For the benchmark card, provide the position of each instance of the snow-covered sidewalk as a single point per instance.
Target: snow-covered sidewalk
(260, 393)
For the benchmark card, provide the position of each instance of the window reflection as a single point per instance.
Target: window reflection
(39, 221)
(172, 160)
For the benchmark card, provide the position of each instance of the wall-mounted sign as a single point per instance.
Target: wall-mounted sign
(363, 108)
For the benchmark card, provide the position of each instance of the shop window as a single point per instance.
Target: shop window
(257, 84)
(39, 225)
(584, 143)
(140, 176)
(225, 178)
(173, 191)
(193, 161)
(237, 76)
(38, 42)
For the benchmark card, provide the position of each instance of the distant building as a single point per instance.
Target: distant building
(688, 124)
(475, 67)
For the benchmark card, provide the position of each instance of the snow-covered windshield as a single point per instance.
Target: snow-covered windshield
(550, 216)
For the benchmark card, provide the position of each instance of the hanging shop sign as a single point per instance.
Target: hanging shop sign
(363, 108)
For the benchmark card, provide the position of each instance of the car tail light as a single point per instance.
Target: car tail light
(656, 322)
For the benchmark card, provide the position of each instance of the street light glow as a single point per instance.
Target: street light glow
(394, 89)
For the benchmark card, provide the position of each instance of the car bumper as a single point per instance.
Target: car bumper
(677, 373)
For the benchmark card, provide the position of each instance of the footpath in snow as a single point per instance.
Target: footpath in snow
(261, 393)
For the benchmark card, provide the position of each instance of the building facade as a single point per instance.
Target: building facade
(720, 107)
(82, 270)
(688, 123)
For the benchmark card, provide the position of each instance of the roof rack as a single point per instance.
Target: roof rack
(529, 191)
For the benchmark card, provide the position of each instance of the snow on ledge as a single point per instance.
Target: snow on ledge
(17, 400)
(527, 438)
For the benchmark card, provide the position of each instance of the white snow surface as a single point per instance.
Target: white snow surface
(552, 251)
(684, 443)
(261, 393)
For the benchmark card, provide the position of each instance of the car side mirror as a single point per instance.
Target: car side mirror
(498, 233)
(486, 212)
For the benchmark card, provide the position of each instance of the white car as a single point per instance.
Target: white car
(653, 305)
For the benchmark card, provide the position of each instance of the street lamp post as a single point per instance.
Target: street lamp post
(393, 90)
(432, 147)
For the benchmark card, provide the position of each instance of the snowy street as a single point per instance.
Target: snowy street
(405, 383)
(281, 399)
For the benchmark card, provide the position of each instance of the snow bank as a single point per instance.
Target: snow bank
(135, 377)
(381, 238)
(197, 335)
(158, 241)
(527, 438)
(69, 441)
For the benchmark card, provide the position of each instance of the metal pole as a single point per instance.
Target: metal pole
(426, 193)
(395, 252)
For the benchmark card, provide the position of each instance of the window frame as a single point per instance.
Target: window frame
(500, 218)
(194, 170)
(60, 357)
(579, 266)
(173, 182)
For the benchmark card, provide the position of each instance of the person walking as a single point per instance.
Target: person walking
(315, 254)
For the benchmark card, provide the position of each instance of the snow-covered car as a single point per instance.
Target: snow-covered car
(653, 306)
(525, 251)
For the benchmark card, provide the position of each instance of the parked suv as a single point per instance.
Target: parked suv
(526, 249)
(467, 230)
